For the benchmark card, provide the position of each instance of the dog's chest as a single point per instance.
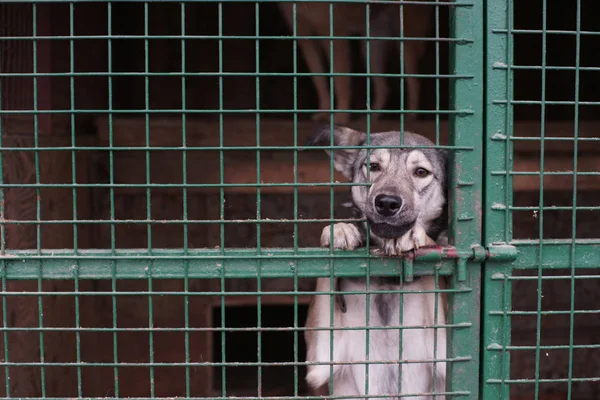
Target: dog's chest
(384, 308)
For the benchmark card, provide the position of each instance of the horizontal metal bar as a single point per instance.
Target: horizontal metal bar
(177, 185)
(542, 380)
(177, 74)
(210, 263)
(245, 329)
(552, 312)
(172, 221)
(239, 37)
(554, 208)
(404, 2)
(548, 68)
(224, 295)
(548, 32)
(557, 253)
(543, 347)
(548, 277)
(553, 173)
(236, 263)
(223, 364)
(212, 112)
(263, 397)
(548, 102)
(553, 139)
(230, 148)
(558, 242)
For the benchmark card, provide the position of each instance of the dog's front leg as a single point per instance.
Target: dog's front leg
(346, 237)
(318, 348)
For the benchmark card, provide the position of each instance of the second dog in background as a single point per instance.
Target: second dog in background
(312, 19)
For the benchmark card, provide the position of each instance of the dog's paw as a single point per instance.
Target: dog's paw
(345, 236)
(412, 240)
(416, 238)
(317, 376)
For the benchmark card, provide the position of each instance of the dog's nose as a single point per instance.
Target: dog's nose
(388, 205)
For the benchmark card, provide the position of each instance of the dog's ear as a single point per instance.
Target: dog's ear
(342, 136)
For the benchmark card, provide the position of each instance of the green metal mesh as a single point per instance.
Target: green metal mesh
(538, 311)
(161, 214)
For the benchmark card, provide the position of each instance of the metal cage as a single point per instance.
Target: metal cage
(161, 213)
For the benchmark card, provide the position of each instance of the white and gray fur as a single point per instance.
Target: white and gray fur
(418, 218)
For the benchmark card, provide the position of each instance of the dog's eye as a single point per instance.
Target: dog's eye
(421, 173)
(374, 167)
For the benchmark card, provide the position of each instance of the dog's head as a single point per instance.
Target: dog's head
(408, 186)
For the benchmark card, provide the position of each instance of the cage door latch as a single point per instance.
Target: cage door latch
(496, 252)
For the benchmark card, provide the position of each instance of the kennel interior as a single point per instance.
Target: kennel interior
(152, 158)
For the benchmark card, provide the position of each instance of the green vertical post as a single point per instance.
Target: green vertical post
(465, 188)
(498, 199)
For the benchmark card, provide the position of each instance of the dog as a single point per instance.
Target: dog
(406, 208)
(350, 18)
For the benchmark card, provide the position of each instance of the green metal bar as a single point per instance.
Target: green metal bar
(558, 254)
(7, 371)
(230, 364)
(295, 235)
(332, 264)
(402, 79)
(499, 123)
(497, 253)
(575, 208)
(437, 74)
(264, 329)
(368, 269)
(244, 74)
(465, 188)
(236, 148)
(184, 160)
(231, 294)
(506, 335)
(230, 73)
(74, 197)
(256, 397)
(5, 324)
(36, 127)
(149, 268)
(436, 310)
(259, 347)
(206, 263)
(113, 266)
(147, 123)
(540, 271)
(498, 199)
(274, 1)
(496, 331)
(222, 201)
(151, 363)
(249, 111)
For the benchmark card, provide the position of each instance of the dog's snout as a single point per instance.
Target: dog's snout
(388, 205)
